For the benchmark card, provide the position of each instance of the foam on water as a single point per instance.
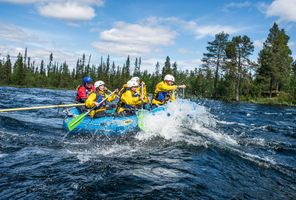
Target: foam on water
(2, 155)
(179, 116)
(98, 152)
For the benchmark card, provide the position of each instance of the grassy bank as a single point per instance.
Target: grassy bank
(283, 99)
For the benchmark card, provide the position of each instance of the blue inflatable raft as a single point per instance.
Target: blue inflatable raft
(106, 125)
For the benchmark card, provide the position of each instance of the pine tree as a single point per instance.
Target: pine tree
(238, 51)
(216, 56)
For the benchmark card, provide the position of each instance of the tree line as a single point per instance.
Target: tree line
(227, 71)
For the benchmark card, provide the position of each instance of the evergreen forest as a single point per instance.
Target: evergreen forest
(226, 73)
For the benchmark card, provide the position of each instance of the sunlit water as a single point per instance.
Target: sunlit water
(194, 150)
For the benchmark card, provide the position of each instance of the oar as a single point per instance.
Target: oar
(140, 115)
(111, 91)
(77, 120)
(41, 107)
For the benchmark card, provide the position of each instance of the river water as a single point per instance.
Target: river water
(203, 150)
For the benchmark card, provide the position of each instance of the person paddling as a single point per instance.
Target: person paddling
(130, 100)
(85, 89)
(165, 91)
(97, 96)
(141, 89)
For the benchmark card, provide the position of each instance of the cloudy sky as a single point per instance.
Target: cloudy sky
(152, 29)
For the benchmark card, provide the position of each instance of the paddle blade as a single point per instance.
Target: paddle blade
(76, 121)
(141, 120)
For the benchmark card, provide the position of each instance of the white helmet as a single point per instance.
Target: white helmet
(131, 83)
(135, 78)
(169, 77)
(99, 83)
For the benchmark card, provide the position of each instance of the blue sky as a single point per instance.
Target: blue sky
(152, 29)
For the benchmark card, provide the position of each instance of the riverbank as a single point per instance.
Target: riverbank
(282, 100)
(272, 101)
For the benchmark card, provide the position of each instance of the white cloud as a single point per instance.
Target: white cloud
(133, 39)
(284, 9)
(14, 39)
(258, 43)
(189, 64)
(200, 31)
(12, 33)
(237, 5)
(185, 51)
(75, 10)
(149, 64)
(22, 1)
(38, 54)
(88, 2)
(212, 30)
(67, 11)
(291, 44)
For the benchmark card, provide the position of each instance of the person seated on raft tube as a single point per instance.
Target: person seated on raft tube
(96, 97)
(84, 90)
(165, 91)
(139, 90)
(130, 99)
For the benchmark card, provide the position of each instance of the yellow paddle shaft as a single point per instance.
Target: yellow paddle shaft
(42, 107)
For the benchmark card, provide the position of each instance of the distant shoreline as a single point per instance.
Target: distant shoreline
(261, 101)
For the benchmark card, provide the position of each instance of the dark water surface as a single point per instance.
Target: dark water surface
(219, 151)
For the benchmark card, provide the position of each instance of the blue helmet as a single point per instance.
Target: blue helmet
(86, 80)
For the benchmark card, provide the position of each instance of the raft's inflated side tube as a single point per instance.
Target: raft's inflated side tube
(110, 125)
(107, 125)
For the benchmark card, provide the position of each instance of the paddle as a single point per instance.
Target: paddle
(77, 120)
(41, 107)
(111, 91)
(140, 114)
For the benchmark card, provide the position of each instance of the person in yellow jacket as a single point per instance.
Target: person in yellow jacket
(141, 86)
(165, 91)
(130, 99)
(96, 97)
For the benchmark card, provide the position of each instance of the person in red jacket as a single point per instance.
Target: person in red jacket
(84, 90)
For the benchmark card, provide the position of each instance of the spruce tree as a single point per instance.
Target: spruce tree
(18, 76)
(275, 60)
(6, 71)
(167, 67)
(293, 81)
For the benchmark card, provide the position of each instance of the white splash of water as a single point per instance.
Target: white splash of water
(3, 155)
(179, 116)
(99, 152)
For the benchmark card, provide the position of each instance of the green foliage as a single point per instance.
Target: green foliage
(275, 61)
(227, 72)
(5, 71)
(238, 52)
(215, 58)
